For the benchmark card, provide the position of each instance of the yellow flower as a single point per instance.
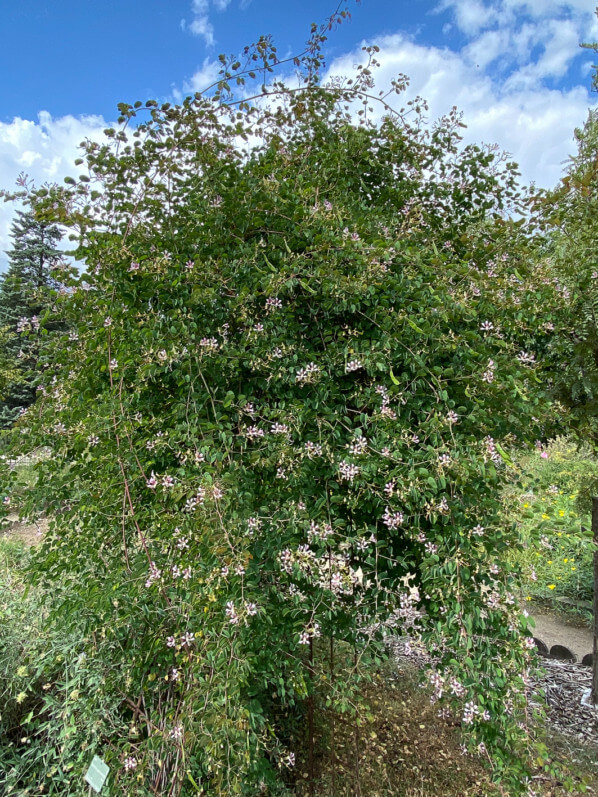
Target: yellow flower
(562, 512)
(21, 696)
(573, 568)
(528, 597)
(565, 561)
(551, 586)
(550, 561)
(545, 516)
(526, 506)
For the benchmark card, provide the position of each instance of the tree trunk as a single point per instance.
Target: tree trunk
(594, 694)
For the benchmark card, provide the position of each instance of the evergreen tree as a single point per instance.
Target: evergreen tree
(24, 296)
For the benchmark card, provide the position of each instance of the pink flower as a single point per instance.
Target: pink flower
(544, 454)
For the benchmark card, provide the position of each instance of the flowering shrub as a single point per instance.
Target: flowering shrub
(278, 423)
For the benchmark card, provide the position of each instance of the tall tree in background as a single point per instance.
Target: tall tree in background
(569, 215)
(24, 297)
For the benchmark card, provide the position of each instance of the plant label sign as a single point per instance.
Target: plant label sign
(97, 773)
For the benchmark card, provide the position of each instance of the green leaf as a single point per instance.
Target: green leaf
(413, 325)
(503, 454)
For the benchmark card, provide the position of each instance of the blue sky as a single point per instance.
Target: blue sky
(514, 67)
(81, 58)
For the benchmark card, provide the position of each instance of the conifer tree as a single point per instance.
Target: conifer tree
(24, 297)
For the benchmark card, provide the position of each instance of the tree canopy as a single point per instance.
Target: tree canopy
(25, 296)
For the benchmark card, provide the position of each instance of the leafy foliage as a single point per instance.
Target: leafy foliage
(568, 215)
(52, 710)
(550, 503)
(278, 424)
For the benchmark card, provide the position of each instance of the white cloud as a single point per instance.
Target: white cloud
(204, 77)
(487, 48)
(45, 150)
(471, 16)
(201, 24)
(530, 40)
(534, 124)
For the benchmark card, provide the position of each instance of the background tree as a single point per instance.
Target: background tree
(568, 216)
(25, 295)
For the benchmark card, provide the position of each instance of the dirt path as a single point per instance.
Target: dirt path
(29, 533)
(555, 631)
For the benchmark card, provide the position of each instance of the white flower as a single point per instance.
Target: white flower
(392, 520)
(358, 446)
(526, 358)
(253, 432)
(353, 365)
(279, 428)
(313, 449)
(348, 471)
(209, 344)
(488, 375)
(176, 733)
(305, 374)
(273, 303)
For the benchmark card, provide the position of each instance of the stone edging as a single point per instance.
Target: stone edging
(562, 653)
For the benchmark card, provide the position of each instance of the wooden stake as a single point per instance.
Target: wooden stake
(310, 724)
